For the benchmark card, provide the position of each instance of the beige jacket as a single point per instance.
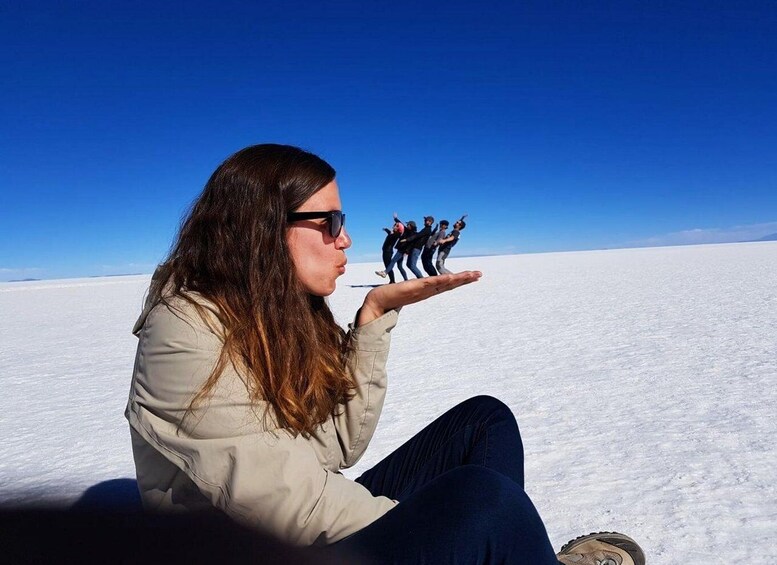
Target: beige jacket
(225, 455)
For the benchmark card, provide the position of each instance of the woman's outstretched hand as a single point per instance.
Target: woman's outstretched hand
(390, 296)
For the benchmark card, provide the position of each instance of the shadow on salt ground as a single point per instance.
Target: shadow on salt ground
(108, 525)
(115, 494)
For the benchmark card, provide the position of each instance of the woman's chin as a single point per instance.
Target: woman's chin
(323, 290)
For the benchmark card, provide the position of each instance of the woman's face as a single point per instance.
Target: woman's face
(318, 257)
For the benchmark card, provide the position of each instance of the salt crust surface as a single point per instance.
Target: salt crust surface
(644, 382)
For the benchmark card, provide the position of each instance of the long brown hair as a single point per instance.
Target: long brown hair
(232, 250)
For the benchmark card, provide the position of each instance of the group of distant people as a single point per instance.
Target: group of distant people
(406, 240)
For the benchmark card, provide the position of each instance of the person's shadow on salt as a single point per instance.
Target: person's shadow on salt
(115, 495)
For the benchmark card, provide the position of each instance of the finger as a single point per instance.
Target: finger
(459, 279)
(458, 282)
(444, 283)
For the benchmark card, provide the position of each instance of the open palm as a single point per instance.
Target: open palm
(390, 296)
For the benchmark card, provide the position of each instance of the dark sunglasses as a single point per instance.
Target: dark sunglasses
(335, 219)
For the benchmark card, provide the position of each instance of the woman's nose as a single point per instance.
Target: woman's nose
(343, 240)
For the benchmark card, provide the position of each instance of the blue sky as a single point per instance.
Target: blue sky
(554, 125)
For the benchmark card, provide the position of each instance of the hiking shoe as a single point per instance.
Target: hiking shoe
(381, 274)
(602, 548)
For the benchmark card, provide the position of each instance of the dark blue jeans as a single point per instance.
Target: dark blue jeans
(397, 260)
(459, 483)
(412, 261)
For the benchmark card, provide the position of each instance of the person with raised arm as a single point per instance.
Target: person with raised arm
(402, 251)
(431, 246)
(445, 245)
(392, 236)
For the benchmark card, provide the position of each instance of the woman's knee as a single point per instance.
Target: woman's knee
(489, 406)
(481, 499)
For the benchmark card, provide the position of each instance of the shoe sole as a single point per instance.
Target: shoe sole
(620, 541)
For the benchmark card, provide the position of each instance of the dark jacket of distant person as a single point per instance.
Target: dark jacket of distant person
(419, 239)
(391, 239)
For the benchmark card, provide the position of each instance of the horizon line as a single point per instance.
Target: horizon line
(613, 248)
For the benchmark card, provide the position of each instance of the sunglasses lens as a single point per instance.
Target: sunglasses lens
(336, 223)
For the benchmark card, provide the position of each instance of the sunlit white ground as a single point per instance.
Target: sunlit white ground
(644, 382)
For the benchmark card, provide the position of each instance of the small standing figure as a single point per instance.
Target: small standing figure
(400, 249)
(447, 243)
(416, 243)
(431, 246)
(388, 245)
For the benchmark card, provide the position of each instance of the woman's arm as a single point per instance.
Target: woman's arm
(368, 352)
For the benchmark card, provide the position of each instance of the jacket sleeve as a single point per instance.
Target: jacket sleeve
(368, 353)
(416, 236)
(261, 476)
